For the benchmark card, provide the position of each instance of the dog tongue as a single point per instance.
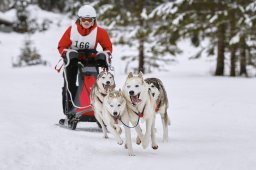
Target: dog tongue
(116, 120)
(108, 87)
(135, 99)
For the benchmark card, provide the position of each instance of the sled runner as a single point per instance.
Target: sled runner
(77, 108)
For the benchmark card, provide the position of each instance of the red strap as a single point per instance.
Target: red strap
(158, 105)
(58, 69)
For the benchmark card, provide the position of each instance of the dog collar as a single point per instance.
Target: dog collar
(102, 94)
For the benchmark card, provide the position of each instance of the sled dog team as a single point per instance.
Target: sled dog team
(139, 99)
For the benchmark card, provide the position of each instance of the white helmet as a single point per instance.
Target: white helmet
(86, 11)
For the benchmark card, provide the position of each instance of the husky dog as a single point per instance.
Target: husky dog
(158, 92)
(105, 83)
(114, 113)
(139, 101)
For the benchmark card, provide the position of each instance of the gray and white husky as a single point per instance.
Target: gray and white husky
(104, 84)
(140, 101)
(114, 114)
(157, 90)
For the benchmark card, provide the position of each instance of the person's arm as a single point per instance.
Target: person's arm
(65, 41)
(104, 40)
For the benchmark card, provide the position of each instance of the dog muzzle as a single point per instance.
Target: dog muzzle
(108, 87)
(116, 118)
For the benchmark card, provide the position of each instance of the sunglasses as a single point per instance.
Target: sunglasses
(86, 19)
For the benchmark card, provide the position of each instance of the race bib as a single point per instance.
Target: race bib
(82, 42)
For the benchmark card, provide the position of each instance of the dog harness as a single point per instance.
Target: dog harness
(102, 95)
(140, 114)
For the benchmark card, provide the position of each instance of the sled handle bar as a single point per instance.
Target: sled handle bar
(76, 53)
(87, 51)
(82, 51)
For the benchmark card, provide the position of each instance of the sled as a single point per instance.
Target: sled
(88, 69)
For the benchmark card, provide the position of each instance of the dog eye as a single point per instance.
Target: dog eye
(111, 105)
(136, 85)
(119, 105)
(152, 86)
(103, 77)
(128, 86)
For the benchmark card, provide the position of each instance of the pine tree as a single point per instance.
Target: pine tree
(204, 19)
(29, 55)
(227, 24)
(135, 20)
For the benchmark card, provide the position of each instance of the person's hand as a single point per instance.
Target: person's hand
(108, 57)
(63, 54)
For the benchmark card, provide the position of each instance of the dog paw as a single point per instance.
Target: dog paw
(155, 147)
(131, 154)
(138, 141)
(120, 142)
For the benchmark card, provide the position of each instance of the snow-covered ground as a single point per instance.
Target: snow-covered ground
(213, 118)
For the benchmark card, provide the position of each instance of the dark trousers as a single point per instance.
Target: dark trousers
(71, 76)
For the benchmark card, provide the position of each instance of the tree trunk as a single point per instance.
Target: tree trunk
(233, 61)
(243, 57)
(233, 47)
(141, 37)
(249, 57)
(221, 49)
(141, 56)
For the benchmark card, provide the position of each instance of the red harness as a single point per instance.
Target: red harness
(156, 109)
(158, 105)
(140, 114)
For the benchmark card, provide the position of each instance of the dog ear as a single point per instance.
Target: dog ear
(100, 74)
(140, 74)
(130, 75)
(120, 92)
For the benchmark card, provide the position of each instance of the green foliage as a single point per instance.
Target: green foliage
(153, 27)
(139, 27)
(29, 56)
(201, 19)
(22, 15)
